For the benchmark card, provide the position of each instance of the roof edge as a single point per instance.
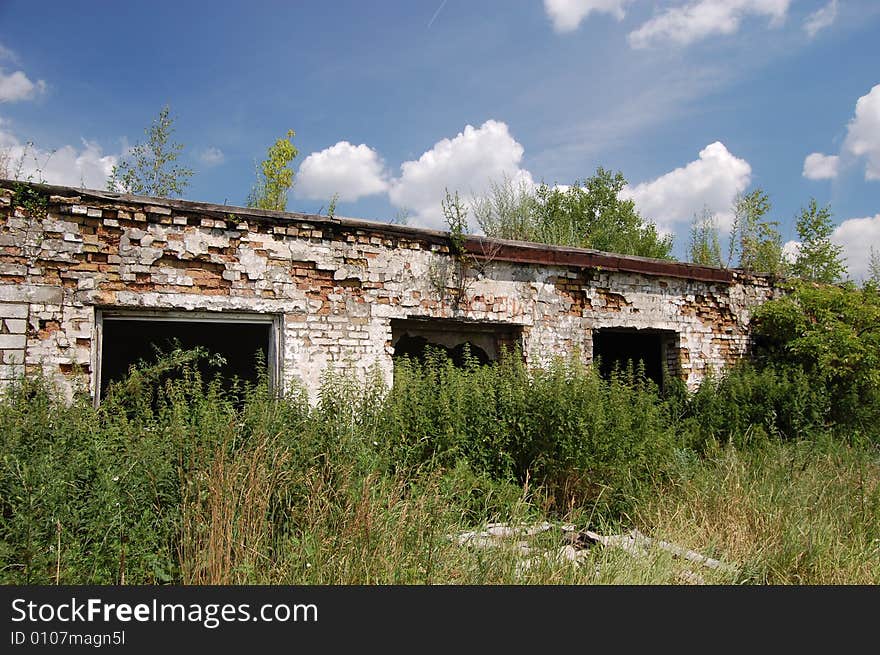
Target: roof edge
(481, 247)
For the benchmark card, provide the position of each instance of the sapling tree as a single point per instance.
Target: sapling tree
(874, 267)
(274, 176)
(818, 259)
(705, 248)
(150, 168)
(753, 237)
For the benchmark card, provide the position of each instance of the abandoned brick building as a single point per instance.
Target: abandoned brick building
(89, 279)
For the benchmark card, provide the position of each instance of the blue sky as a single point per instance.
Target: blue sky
(392, 102)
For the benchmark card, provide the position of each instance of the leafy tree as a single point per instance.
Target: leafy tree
(456, 212)
(874, 267)
(832, 333)
(818, 259)
(588, 214)
(705, 248)
(508, 211)
(591, 214)
(753, 237)
(274, 176)
(149, 169)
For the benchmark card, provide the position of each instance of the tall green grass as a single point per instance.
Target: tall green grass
(804, 512)
(176, 479)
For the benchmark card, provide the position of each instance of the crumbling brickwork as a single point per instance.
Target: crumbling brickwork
(335, 285)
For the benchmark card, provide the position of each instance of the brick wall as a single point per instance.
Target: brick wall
(336, 285)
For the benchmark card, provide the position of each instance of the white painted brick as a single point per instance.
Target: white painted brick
(12, 310)
(13, 269)
(13, 356)
(12, 341)
(33, 293)
(15, 325)
(11, 372)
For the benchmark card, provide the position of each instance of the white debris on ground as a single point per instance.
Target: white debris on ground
(578, 543)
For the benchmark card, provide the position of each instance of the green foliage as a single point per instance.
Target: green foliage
(274, 176)
(750, 405)
(455, 212)
(704, 247)
(110, 485)
(588, 214)
(874, 268)
(753, 237)
(149, 169)
(401, 217)
(831, 333)
(818, 259)
(508, 211)
(331, 209)
(113, 485)
(34, 202)
(178, 478)
(562, 426)
(787, 512)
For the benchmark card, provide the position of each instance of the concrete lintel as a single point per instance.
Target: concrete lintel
(31, 293)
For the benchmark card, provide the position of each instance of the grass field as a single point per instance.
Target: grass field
(174, 480)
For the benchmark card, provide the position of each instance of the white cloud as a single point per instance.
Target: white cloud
(863, 132)
(7, 55)
(211, 156)
(820, 19)
(87, 166)
(821, 167)
(700, 19)
(790, 251)
(567, 15)
(712, 181)
(345, 169)
(467, 163)
(16, 86)
(857, 236)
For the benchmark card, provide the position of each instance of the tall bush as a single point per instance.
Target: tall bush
(831, 333)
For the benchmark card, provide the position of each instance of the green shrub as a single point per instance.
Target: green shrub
(749, 404)
(96, 494)
(178, 478)
(831, 334)
(562, 426)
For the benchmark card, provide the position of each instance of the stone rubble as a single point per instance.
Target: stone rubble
(579, 542)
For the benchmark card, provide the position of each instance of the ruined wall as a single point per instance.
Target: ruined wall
(336, 284)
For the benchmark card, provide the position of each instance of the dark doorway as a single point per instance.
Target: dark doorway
(128, 340)
(417, 347)
(618, 347)
(485, 342)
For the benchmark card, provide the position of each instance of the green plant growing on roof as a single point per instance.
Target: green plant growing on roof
(149, 169)
(274, 176)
